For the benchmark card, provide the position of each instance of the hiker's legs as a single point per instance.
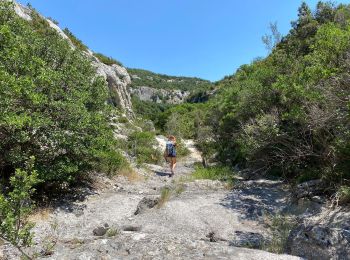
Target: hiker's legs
(173, 164)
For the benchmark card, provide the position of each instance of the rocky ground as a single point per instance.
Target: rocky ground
(148, 215)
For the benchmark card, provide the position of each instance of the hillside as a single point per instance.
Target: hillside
(160, 81)
(263, 156)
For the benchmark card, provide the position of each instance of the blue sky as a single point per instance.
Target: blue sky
(202, 38)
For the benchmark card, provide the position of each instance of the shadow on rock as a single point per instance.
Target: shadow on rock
(256, 198)
(162, 174)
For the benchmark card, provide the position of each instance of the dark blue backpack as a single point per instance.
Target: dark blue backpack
(170, 149)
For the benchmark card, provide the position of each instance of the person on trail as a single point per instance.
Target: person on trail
(170, 153)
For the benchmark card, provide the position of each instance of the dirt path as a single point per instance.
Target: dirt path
(200, 219)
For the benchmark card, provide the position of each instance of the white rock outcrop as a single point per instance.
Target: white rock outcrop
(117, 79)
(171, 96)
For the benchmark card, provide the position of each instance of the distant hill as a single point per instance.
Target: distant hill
(142, 77)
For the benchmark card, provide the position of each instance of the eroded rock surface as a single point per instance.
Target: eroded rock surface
(169, 96)
(179, 228)
(323, 236)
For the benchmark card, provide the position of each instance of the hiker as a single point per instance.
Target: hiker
(170, 153)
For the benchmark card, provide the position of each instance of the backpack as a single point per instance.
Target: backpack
(170, 149)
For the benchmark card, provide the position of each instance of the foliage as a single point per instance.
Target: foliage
(222, 173)
(343, 194)
(273, 39)
(52, 104)
(76, 42)
(161, 81)
(143, 146)
(15, 206)
(165, 195)
(280, 226)
(181, 149)
(149, 110)
(107, 60)
(289, 112)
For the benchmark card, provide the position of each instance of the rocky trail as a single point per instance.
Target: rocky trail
(156, 217)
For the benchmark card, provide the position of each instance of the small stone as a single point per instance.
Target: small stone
(131, 228)
(100, 231)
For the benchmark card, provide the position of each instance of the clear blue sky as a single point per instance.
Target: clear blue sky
(202, 38)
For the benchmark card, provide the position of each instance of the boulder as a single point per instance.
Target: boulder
(319, 241)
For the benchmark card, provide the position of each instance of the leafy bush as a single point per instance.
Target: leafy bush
(52, 104)
(289, 112)
(142, 145)
(15, 206)
(107, 60)
(149, 110)
(181, 149)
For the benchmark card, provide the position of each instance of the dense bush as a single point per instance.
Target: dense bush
(52, 105)
(289, 113)
(149, 110)
(143, 146)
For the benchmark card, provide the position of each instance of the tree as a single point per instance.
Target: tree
(273, 39)
(52, 104)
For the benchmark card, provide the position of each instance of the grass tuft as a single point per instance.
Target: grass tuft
(165, 195)
(131, 174)
(280, 226)
(112, 232)
(220, 173)
(343, 195)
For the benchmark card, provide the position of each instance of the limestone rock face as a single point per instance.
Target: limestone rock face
(117, 79)
(116, 76)
(22, 12)
(173, 96)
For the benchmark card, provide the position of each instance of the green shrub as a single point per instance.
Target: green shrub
(344, 194)
(181, 149)
(288, 113)
(107, 60)
(76, 42)
(15, 207)
(142, 147)
(52, 104)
